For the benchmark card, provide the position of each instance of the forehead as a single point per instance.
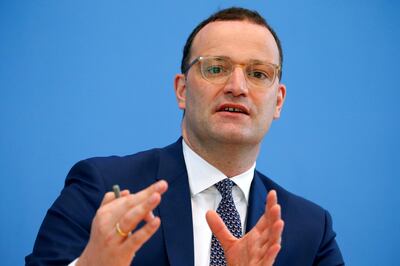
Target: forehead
(240, 40)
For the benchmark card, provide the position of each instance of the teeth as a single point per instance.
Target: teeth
(232, 109)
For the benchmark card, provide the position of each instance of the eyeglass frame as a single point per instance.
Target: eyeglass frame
(276, 67)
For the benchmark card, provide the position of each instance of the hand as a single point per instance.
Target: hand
(260, 246)
(106, 246)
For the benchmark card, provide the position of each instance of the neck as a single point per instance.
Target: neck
(230, 158)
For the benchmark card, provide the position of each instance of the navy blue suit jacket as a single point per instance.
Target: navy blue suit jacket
(308, 238)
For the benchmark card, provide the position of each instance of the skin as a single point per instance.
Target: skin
(260, 246)
(229, 141)
(106, 246)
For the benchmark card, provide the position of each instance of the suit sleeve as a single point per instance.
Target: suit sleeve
(65, 230)
(329, 253)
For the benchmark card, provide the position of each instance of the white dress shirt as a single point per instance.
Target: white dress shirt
(205, 196)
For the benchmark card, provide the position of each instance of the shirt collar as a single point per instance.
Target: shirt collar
(203, 175)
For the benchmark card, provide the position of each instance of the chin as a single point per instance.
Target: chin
(233, 137)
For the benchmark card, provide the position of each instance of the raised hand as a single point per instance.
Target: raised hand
(111, 246)
(260, 246)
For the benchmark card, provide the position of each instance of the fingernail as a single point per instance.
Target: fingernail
(162, 184)
(159, 185)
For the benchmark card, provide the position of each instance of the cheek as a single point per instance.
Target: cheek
(199, 96)
(194, 103)
(266, 104)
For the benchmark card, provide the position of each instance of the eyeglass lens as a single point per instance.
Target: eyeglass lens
(218, 70)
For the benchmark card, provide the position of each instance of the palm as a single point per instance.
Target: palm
(260, 246)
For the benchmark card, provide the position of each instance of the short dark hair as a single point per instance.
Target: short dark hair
(229, 14)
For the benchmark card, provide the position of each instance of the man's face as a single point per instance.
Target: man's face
(206, 115)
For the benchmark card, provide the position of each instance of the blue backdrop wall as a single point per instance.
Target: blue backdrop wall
(92, 78)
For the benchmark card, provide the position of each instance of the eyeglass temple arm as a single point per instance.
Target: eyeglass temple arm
(191, 64)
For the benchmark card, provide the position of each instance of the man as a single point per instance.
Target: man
(230, 92)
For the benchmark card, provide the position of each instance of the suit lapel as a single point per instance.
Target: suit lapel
(175, 207)
(257, 200)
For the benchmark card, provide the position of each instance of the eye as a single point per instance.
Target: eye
(256, 74)
(215, 69)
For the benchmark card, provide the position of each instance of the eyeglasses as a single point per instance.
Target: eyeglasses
(218, 69)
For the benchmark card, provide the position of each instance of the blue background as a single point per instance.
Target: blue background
(92, 78)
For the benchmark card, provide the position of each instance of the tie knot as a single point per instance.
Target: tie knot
(225, 187)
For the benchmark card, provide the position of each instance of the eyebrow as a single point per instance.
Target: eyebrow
(252, 61)
(256, 61)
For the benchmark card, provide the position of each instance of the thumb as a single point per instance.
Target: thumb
(220, 230)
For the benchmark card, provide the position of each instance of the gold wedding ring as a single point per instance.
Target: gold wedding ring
(120, 232)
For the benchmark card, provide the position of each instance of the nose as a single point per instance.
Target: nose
(237, 84)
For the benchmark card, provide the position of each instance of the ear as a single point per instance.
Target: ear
(180, 90)
(280, 99)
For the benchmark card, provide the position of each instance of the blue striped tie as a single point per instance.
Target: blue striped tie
(229, 214)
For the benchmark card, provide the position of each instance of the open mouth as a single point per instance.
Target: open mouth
(233, 108)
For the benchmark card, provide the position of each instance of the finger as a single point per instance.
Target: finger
(110, 196)
(220, 230)
(149, 216)
(275, 237)
(117, 208)
(132, 218)
(274, 213)
(143, 195)
(124, 192)
(159, 187)
(275, 234)
(264, 224)
(271, 254)
(137, 239)
(267, 224)
(271, 214)
(272, 199)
